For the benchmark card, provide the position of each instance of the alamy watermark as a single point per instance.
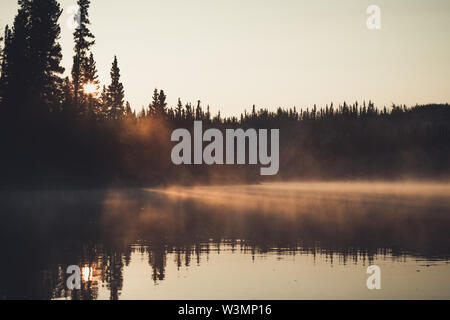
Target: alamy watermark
(374, 20)
(74, 17)
(374, 281)
(77, 274)
(218, 153)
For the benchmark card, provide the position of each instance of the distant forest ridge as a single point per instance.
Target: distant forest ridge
(69, 131)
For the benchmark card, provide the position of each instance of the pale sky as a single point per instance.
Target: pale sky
(232, 54)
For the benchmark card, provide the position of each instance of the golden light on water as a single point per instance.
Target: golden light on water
(87, 273)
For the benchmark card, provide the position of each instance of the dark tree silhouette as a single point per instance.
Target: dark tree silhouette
(161, 106)
(129, 113)
(179, 112)
(17, 86)
(154, 105)
(93, 108)
(116, 93)
(45, 52)
(84, 40)
(31, 59)
(4, 62)
(105, 102)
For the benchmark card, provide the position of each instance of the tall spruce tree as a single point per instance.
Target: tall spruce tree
(16, 54)
(45, 53)
(84, 40)
(116, 93)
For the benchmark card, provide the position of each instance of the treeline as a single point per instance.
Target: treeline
(59, 130)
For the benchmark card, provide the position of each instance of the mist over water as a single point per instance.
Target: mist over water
(269, 241)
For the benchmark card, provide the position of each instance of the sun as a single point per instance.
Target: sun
(90, 88)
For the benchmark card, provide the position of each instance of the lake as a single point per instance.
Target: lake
(305, 240)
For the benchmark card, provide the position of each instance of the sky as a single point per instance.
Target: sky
(231, 54)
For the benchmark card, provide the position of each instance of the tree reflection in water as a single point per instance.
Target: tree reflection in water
(42, 233)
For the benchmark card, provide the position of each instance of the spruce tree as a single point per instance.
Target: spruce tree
(161, 109)
(198, 111)
(84, 40)
(154, 105)
(45, 52)
(116, 93)
(90, 74)
(179, 109)
(16, 55)
(128, 111)
(91, 79)
(105, 103)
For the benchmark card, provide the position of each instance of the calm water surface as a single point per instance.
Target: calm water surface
(269, 241)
